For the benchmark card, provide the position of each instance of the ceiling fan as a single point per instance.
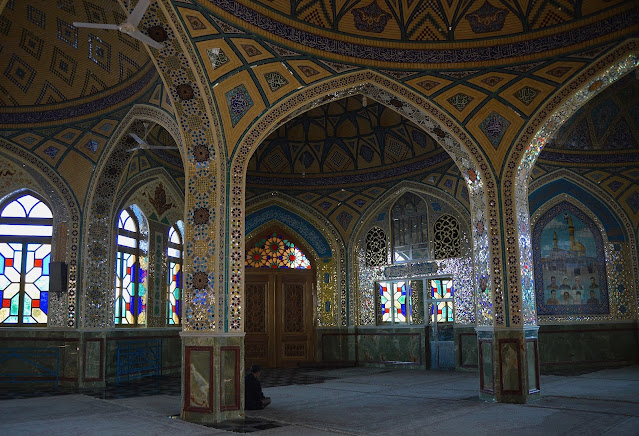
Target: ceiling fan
(130, 25)
(144, 145)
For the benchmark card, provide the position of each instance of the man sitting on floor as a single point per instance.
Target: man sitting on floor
(254, 399)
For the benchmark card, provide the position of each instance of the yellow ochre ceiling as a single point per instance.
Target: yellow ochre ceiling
(47, 62)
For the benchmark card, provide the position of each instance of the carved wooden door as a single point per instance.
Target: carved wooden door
(279, 317)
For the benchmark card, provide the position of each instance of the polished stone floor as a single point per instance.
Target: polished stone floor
(358, 401)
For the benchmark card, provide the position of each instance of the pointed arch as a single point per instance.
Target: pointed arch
(23, 170)
(101, 207)
(523, 155)
(327, 248)
(445, 130)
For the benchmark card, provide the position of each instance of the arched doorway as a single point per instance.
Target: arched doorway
(280, 327)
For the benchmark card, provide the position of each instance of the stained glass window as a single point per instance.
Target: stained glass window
(402, 301)
(395, 302)
(26, 227)
(174, 258)
(275, 251)
(130, 271)
(441, 300)
(409, 229)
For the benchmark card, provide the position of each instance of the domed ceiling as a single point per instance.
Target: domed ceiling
(49, 63)
(344, 142)
(425, 31)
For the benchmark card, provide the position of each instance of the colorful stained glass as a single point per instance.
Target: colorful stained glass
(130, 273)
(25, 254)
(174, 255)
(394, 302)
(274, 251)
(441, 309)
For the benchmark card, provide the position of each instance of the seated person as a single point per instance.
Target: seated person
(254, 399)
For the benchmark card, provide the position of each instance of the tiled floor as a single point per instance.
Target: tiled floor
(355, 401)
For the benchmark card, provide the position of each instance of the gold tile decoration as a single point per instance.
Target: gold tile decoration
(51, 151)
(105, 127)
(527, 94)
(218, 58)
(276, 80)
(308, 70)
(68, 136)
(498, 153)
(492, 81)
(460, 100)
(251, 49)
(196, 23)
(78, 171)
(559, 71)
(428, 85)
(234, 131)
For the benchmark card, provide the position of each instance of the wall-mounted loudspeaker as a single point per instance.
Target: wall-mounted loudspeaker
(58, 277)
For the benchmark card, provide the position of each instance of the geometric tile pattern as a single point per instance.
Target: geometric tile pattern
(494, 127)
(239, 101)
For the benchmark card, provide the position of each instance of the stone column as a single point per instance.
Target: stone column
(212, 376)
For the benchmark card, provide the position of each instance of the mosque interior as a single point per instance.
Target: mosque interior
(424, 184)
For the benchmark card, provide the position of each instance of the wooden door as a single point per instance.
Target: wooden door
(279, 317)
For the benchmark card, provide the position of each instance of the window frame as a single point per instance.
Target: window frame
(25, 241)
(179, 261)
(412, 301)
(419, 219)
(135, 251)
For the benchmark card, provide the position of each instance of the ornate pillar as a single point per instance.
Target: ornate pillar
(507, 338)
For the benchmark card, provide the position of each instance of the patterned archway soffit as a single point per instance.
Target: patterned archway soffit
(515, 180)
(446, 132)
(100, 211)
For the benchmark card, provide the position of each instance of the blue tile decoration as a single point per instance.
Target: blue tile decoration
(239, 102)
(633, 201)
(51, 151)
(540, 196)
(306, 230)
(506, 50)
(602, 306)
(91, 145)
(494, 127)
(602, 116)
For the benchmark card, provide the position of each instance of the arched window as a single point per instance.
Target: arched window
(274, 251)
(376, 247)
(174, 259)
(26, 227)
(130, 270)
(410, 229)
(446, 239)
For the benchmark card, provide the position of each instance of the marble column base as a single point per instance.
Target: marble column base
(212, 376)
(508, 364)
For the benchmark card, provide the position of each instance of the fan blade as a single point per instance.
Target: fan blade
(162, 147)
(137, 138)
(96, 25)
(138, 12)
(146, 39)
(130, 150)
